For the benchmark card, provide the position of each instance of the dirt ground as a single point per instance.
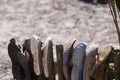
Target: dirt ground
(62, 20)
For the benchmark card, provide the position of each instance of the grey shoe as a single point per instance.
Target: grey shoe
(89, 62)
(35, 46)
(48, 61)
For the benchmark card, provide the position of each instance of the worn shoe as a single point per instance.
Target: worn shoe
(48, 61)
(89, 62)
(24, 63)
(78, 62)
(35, 45)
(67, 55)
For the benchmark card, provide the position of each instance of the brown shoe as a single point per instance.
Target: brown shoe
(35, 45)
(24, 63)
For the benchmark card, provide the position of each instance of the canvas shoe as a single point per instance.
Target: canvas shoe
(67, 55)
(78, 62)
(48, 61)
(35, 46)
(89, 62)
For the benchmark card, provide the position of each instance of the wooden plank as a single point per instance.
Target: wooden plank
(59, 52)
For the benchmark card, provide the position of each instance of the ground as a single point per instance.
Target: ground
(62, 20)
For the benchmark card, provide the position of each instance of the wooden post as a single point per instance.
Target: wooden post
(59, 51)
(117, 65)
(52, 67)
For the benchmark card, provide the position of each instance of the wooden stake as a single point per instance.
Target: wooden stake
(59, 51)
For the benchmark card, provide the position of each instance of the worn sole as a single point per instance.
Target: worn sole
(89, 62)
(35, 45)
(78, 62)
(67, 55)
(48, 58)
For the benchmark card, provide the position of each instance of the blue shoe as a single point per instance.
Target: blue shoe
(78, 62)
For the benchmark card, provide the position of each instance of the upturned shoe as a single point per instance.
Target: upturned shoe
(35, 46)
(78, 62)
(89, 62)
(48, 61)
(67, 56)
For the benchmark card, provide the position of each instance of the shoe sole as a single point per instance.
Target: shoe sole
(67, 55)
(35, 45)
(78, 62)
(48, 58)
(89, 62)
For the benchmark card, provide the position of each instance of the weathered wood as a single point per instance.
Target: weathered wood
(59, 52)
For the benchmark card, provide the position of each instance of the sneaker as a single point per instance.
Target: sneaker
(48, 61)
(35, 46)
(89, 62)
(67, 55)
(78, 62)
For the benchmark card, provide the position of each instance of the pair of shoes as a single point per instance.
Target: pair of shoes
(78, 62)
(43, 62)
(48, 61)
(67, 56)
(97, 70)
(89, 62)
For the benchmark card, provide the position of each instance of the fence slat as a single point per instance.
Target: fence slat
(59, 51)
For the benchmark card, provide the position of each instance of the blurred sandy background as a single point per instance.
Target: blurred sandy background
(62, 20)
